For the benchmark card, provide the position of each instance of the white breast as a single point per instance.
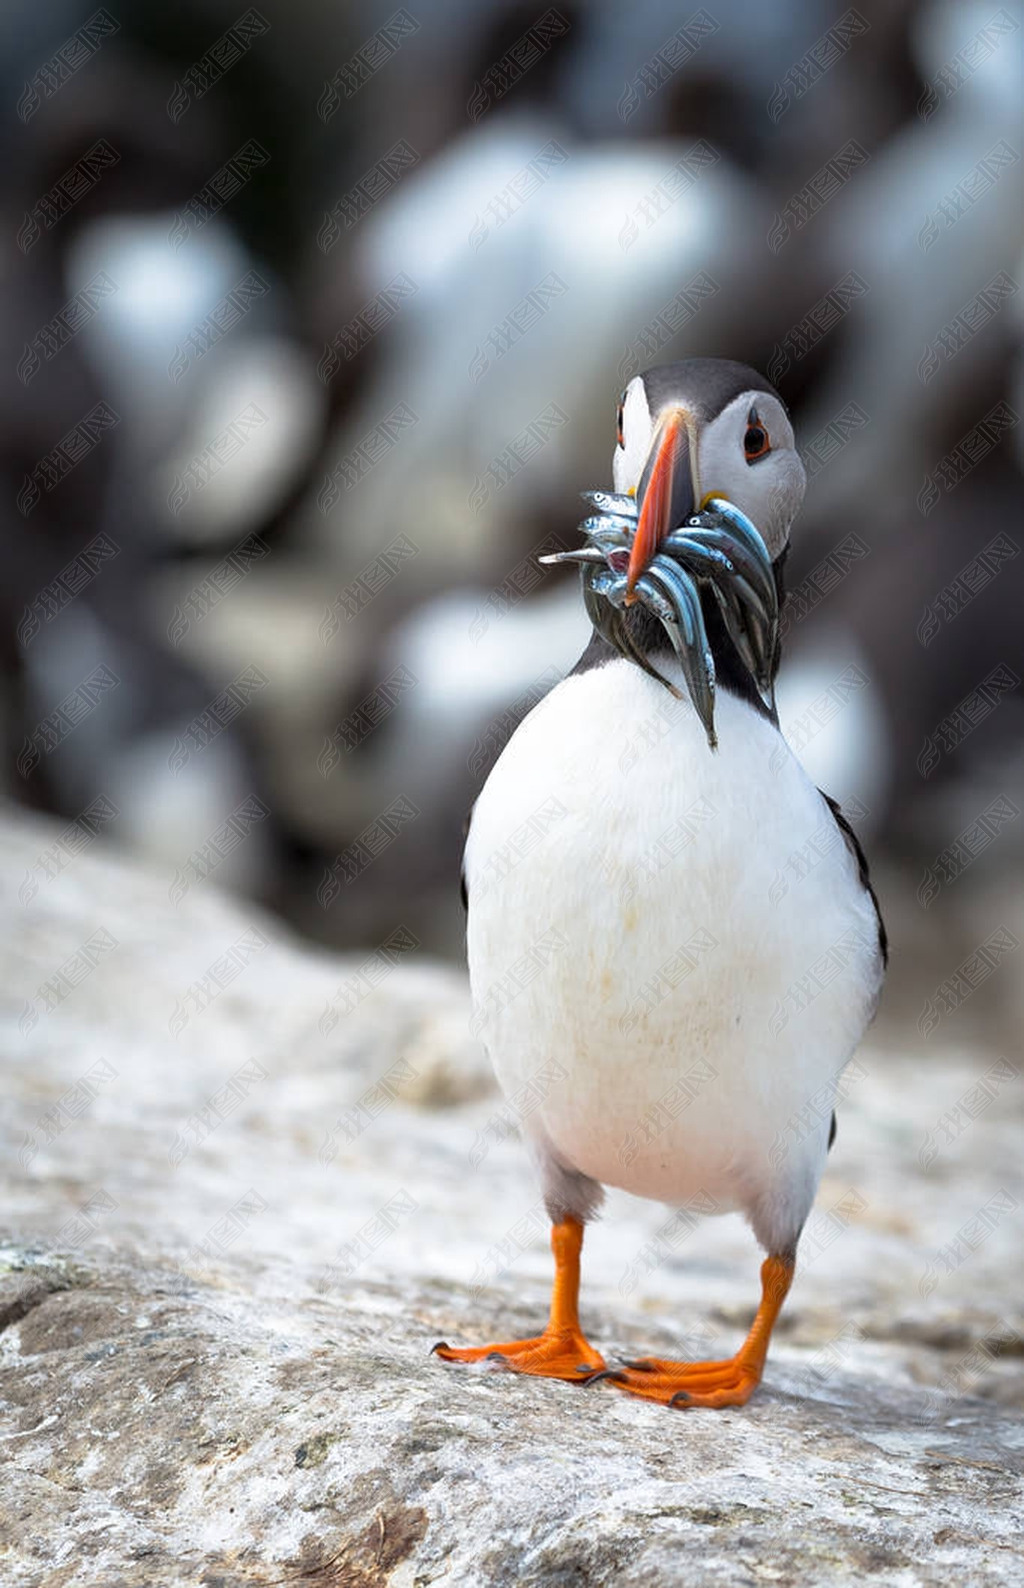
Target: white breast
(671, 954)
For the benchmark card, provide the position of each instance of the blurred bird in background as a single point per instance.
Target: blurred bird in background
(310, 313)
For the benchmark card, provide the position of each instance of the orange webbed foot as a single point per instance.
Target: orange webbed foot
(685, 1384)
(557, 1353)
(562, 1351)
(727, 1383)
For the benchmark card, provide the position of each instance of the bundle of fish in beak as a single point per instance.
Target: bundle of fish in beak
(718, 549)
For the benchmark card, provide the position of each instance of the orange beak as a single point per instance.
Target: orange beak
(660, 504)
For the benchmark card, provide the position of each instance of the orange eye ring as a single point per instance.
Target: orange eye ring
(756, 441)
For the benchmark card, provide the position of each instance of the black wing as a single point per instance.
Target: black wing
(854, 846)
(463, 891)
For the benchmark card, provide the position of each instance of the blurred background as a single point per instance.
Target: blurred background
(313, 323)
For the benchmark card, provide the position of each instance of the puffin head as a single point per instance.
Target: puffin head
(703, 428)
(707, 483)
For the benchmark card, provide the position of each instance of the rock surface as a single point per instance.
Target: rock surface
(234, 1225)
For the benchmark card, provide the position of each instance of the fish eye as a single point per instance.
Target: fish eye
(756, 441)
(618, 421)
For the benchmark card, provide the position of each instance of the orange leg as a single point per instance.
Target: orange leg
(728, 1383)
(561, 1351)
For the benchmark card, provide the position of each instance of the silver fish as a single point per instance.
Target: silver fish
(718, 549)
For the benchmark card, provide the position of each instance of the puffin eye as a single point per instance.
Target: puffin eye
(618, 421)
(756, 443)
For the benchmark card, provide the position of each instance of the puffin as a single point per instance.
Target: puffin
(633, 971)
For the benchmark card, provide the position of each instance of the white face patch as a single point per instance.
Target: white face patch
(768, 490)
(637, 431)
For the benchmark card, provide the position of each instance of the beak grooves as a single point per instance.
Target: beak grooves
(655, 513)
